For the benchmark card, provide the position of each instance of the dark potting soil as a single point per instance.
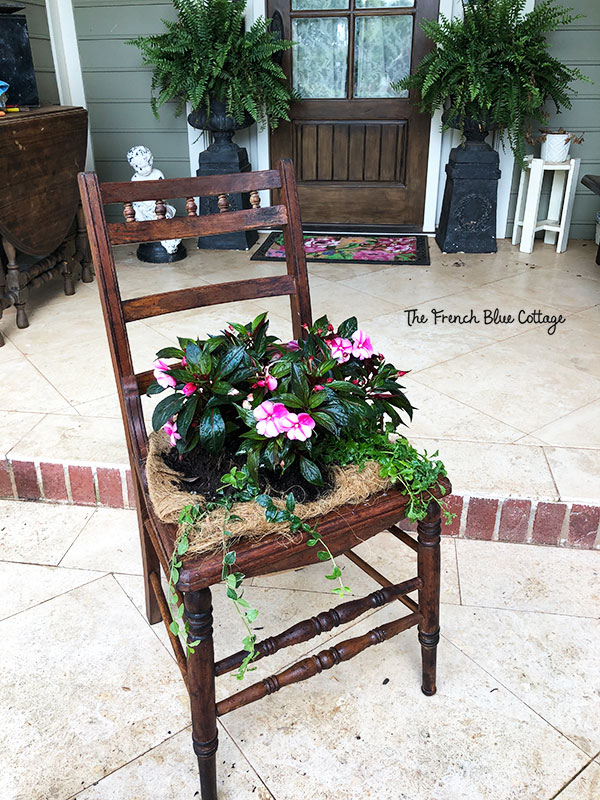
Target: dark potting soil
(201, 474)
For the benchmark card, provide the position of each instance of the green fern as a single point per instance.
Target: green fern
(208, 55)
(494, 66)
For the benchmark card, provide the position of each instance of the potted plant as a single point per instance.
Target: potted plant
(231, 78)
(257, 435)
(555, 144)
(492, 69)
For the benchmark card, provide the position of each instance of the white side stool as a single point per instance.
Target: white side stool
(560, 207)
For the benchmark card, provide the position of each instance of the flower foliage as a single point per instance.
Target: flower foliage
(207, 55)
(494, 67)
(281, 402)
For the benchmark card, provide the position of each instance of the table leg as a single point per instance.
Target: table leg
(83, 248)
(555, 204)
(12, 284)
(532, 205)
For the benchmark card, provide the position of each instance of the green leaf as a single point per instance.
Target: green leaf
(212, 430)
(232, 359)
(335, 573)
(205, 363)
(221, 387)
(265, 501)
(168, 407)
(183, 545)
(170, 352)
(174, 628)
(323, 555)
(155, 388)
(179, 613)
(251, 614)
(229, 558)
(326, 366)
(231, 593)
(280, 368)
(193, 354)
(257, 320)
(290, 502)
(288, 400)
(316, 399)
(326, 421)
(310, 471)
(185, 417)
(348, 327)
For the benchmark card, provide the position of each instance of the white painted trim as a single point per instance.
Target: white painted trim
(67, 64)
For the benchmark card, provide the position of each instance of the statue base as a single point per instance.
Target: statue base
(468, 219)
(223, 157)
(155, 253)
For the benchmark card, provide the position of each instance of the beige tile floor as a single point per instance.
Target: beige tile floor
(512, 409)
(93, 706)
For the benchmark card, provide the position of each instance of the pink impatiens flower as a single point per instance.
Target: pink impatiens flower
(272, 419)
(341, 349)
(361, 345)
(163, 379)
(269, 381)
(189, 389)
(171, 431)
(302, 426)
(292, 345)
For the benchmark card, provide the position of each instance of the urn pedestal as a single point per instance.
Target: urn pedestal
(223, 156)
(468, 218)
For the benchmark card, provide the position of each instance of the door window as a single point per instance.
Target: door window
(382, 50)
(320, 65)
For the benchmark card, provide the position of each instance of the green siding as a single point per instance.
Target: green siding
(39, 35)
(578, 45)
(117, 88)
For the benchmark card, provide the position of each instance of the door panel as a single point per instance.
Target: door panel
(360, 150)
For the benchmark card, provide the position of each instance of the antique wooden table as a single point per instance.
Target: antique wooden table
(41, 152)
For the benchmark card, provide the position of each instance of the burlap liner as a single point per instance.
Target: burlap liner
(351, 485)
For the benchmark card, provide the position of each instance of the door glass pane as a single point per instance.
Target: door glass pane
(320, 57)
(385, 3)
(382, 51)
(326, 5)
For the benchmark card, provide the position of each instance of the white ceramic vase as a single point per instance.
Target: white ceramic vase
(556, 147)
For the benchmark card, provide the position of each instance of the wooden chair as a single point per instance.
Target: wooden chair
(341, 530)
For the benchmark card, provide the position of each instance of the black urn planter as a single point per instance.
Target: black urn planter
(223, 156)
(468, 219)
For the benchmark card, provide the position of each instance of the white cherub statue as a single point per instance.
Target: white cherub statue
(141, 161)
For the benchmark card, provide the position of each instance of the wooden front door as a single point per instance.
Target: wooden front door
(360, 150)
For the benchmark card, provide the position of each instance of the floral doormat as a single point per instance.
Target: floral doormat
(376, 249)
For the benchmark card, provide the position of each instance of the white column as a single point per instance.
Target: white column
(65, 52)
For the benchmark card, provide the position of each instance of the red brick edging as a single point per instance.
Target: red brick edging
(498, 519)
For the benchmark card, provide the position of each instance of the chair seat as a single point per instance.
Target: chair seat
(343, 528)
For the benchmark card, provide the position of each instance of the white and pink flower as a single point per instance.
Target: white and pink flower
(161, 374)
(361, 345)
(341, 349)
(301, 426)
(271, 419)
(170, 429)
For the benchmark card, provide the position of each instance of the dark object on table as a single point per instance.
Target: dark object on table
(41, 153)
(155, 253)
(593, 182)
(17, 62)
(342, 529)
(468, 220)
(223, 157)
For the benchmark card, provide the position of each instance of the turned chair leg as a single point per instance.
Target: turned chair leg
(428, 559)
(201, 686)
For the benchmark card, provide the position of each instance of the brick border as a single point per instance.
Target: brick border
(509, 519)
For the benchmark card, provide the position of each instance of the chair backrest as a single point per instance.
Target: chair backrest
(117, 312)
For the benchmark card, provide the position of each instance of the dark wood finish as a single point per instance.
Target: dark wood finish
(201, 686)
(325, 621)
(164, 615)
(342, 529)
(358, 160)
(184, 299)
(41, 153)
(428, 565)
(213, 185)
(184, 227)
(312, 665)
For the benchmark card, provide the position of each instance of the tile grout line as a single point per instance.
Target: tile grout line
(570, 781)
(83, 527)
(245, 757)
(54, 597)
(516, 696)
